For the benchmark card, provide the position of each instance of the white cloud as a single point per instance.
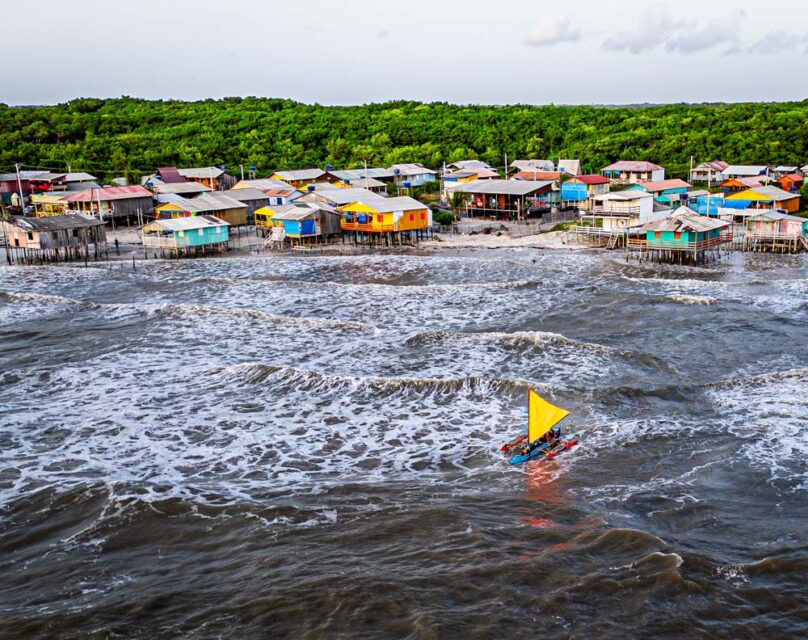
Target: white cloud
(658, 28)
(778, 41)
(550, 30)
(381, 34)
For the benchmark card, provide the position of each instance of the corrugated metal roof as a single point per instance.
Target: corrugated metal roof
(664, 185)
(297, 214)
(593, 179)
(775, 216)
(55, 223)
(715, 165)
(187, 224)
(246, 195)
(356, 174)
(684, 219)
(79, 176)
(180, 187)
(573, 167)
(105, 194)
(769, 192)
(469, 164)
(744, 170)
(411, 169)
(170, 175)
(263, 184)
(536, 175)
(782, 169)
(504, 187)
(628, 194)
(219, 200)
(201, 172)
(632, 166)
(300, 174)
(529, 165)
(346, 196)
(386, 205)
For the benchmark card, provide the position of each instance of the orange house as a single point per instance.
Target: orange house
(791, 183)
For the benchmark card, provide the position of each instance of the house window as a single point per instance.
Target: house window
(412, 217)
(423, 216)
(201, 232)
(218, 229)
(182, 234)
(75, 233)
(658, 235)
(30, 235)
(380, 219)
(677, 235)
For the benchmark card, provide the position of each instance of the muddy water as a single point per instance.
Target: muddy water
(291, 447)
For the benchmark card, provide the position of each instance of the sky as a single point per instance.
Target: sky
(354, 52)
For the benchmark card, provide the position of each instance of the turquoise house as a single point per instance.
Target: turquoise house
(686, 230)
(189, 236)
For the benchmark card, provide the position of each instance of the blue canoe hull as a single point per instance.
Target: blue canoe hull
(538, 451)
(543, 450)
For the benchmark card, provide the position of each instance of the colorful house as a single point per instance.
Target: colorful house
(744, 171)
(767, 197)
(570, 167)
(53, 238)
(336, 198)
(214, 177)
(708, 172)
(684, 236)
(633, 171)
(463, 165)
(792, 182)
(772, 231)
(355, 176)
(302, 177)
(734, 185)
(533, 164)
(509, 199)
(194, 235)
(783, 170)
(308, 222)
(412, 174)
(667, 192)
(580, 190)
(459, 177)
(211, 203)
(386, 216)
(50, 203)
(111, 202)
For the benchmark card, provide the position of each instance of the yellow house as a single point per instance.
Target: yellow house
(49, 204)
(386, 215)
(264, 217)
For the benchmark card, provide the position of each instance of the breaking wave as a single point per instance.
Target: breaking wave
(516, 284)
(684, 298)
(43, 298)
(521, 339)
(305, 380)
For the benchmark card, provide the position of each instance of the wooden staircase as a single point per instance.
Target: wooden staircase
(614, 238)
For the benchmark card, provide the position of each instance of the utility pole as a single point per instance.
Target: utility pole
(19, 187)
(241, 166)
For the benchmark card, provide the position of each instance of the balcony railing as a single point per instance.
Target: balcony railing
(609, 211)
(373, 227)
(678, 245)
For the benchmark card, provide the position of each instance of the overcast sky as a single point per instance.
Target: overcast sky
(351, 52)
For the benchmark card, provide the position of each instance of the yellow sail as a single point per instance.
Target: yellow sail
(541, 416)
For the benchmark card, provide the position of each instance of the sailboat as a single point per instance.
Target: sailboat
(543, 438)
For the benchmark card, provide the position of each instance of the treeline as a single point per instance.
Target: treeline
(129, 136)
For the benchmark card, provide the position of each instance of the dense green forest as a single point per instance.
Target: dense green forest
(131, 136)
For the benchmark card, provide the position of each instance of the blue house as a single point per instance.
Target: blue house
(413, 174)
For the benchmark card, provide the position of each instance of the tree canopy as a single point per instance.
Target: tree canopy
(130, 136)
